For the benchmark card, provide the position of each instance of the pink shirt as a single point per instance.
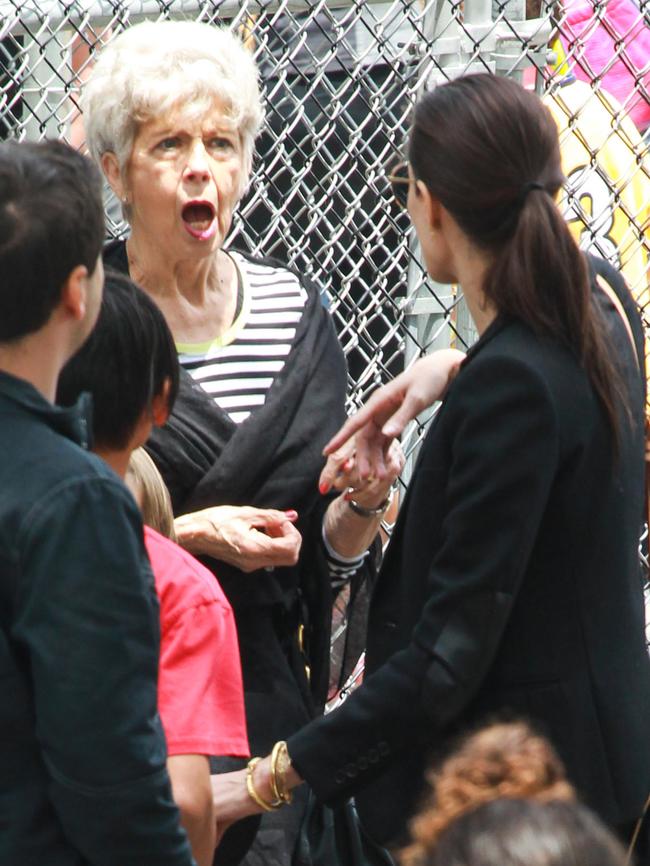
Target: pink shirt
(200, 693)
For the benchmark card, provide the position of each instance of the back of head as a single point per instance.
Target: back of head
(151, 493)
(488, 150)
(51, 221)
(152, 67)
(525, 833)
(505, 759)
(124, 364)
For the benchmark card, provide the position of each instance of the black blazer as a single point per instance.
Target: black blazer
(511, 586)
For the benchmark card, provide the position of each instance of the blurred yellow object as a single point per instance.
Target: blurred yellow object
(607, 195)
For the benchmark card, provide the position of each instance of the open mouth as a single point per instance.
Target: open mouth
(199, 219)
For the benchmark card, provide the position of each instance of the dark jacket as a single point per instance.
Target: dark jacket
(511, 586)
(82, 753)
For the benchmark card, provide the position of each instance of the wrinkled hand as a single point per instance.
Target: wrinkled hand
(370, 432)
(246, 537)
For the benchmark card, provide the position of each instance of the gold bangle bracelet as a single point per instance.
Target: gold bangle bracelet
(280, 764)
(274, 769)
(250, 787)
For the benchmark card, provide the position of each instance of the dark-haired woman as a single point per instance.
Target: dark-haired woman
(511, 583)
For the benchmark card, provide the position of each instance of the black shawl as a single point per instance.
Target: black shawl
(271, 460)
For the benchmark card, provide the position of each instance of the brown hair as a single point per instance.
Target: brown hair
(488, 150)
(501, 760)
(527, 833)
(150, 492)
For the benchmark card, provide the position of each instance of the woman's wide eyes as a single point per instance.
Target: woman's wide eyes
(216, 143)
(169, 143)
(220, 143)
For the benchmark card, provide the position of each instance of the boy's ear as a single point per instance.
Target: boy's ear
(74, 293)
(160, 405)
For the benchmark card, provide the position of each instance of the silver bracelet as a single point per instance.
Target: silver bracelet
(362, 511)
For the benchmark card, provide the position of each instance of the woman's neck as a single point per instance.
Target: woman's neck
(471, 265)
(198, 296)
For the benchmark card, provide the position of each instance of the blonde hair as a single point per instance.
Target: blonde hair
(502, 760)
(150, 492)
(152, 67)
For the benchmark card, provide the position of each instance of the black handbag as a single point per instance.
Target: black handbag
(333, 836)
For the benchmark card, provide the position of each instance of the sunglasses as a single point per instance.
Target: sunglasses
(400, 180)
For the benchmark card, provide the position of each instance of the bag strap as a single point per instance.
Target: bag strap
(620, 309)
(618, 306)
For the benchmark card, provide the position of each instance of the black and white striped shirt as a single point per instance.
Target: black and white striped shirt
(238, 367)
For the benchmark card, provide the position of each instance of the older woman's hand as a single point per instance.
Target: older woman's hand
(246, 537)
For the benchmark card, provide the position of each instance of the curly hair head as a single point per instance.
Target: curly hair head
(502, 760)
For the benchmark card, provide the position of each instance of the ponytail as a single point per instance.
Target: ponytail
(488, 150)
(541, 277)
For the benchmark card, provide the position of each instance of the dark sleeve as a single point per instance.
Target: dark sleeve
(503, 461)
(87, 616)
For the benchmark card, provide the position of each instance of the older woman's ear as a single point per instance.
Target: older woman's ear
(111, 169)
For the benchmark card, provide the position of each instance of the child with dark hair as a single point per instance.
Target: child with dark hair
(129, 366)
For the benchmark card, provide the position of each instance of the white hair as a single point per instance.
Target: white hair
(154, 66)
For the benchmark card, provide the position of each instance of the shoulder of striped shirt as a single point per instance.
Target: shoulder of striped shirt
(266, 266)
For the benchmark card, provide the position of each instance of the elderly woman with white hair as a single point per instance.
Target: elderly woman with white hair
(171, 111)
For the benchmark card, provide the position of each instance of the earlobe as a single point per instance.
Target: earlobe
(111, 169)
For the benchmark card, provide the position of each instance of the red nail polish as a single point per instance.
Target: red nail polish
(323, 487)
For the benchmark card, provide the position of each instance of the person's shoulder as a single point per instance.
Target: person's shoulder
(182, 582)
(72, 473)
(47, 460)
(517, 343)
(272, 268)
(601, 267)
(515, 358)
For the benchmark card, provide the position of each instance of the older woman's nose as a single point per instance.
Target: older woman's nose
(197, 167)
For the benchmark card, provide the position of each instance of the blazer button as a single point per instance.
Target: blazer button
(373, 756)
(384, 748)
(391, 624)
(351, 771)
(339, 778)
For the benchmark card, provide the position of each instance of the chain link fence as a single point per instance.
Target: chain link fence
(339, 80)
